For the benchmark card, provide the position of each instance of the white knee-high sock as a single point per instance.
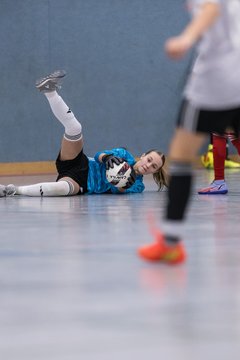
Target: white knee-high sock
(60, 188)
(73, 128)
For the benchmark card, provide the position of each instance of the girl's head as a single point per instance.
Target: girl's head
(152, 162)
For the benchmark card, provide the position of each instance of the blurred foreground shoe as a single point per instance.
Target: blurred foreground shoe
(217, 187)
(161, 251)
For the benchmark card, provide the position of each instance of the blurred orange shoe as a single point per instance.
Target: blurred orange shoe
(161, 251)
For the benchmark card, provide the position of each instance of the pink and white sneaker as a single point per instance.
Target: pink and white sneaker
(217, 187)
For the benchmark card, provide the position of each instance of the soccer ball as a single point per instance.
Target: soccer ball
(119, 174)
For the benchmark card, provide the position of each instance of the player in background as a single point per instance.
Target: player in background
(78, 174)
(211, 103)
(207, 157)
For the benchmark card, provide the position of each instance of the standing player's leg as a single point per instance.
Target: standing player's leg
(168, 246)
(218, 186)
(219, 156)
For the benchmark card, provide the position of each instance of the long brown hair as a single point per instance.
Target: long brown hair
(160, 177)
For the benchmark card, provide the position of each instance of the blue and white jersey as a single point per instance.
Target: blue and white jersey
(97, 182)
(215, 79)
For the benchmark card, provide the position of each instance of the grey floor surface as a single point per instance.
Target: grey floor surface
(72, 287)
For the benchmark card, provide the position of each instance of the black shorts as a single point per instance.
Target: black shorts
(76, 169)
(208, 121)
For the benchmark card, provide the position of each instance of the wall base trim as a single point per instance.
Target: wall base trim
(28, 168)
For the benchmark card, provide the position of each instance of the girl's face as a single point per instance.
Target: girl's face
(148, 164)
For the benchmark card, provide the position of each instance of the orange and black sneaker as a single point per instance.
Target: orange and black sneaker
(161, 251)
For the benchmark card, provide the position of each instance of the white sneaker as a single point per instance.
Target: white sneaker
(217, 187)
(2, 190)
(51, 81)
(10, 190)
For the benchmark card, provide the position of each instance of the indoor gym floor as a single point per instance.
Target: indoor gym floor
(72, 286)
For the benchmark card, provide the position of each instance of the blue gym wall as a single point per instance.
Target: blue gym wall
(120, 85)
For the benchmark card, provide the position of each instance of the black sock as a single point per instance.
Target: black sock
(179, 190)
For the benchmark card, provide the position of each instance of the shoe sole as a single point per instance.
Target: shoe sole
(59, 74)
(213, 192)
